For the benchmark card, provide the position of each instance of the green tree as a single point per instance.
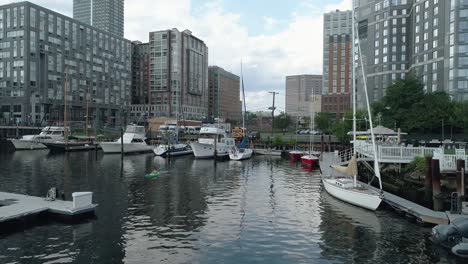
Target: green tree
(401, 99)
(282, 121)
(323, 121)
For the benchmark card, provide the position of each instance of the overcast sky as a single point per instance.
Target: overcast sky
(274, 38)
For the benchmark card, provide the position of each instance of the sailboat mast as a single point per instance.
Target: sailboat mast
(374, 146)
(65, 132)
(353, 33)
(243, 100)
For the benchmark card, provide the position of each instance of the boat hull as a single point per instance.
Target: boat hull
(116, 147)
(61, 147)
(241, 154)
(310, 160)
(26, 144)
(268, 152)
(179, 150)
(370, 201)
(296, 155)
(206, 151)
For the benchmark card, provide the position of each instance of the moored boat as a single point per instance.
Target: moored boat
(209, 139)
(31, 142)
(172, 150)
(133, 142)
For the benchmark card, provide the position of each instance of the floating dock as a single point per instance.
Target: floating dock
(18, 206)
(405, 207)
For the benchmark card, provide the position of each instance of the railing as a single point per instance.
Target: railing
(448, 162)
(393, 153)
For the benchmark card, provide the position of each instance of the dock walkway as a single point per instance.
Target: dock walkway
(16, 206)
(409, 209)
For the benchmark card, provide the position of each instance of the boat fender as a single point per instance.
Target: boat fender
(461, 250)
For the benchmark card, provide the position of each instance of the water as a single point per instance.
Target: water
(264, 210)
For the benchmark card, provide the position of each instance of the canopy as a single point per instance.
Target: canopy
(379, 130)
(350, 170)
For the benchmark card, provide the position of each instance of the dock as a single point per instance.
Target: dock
(405, 207)
(17, 206)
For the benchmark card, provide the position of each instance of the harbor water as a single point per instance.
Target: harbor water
(264, 210)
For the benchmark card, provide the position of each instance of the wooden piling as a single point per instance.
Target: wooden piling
(321, 143)
(428, 182)
(460, 166)
(436, 190)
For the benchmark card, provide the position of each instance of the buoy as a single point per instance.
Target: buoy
(153, 174)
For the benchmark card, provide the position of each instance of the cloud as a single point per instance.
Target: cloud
(343, 5)
(296, 48)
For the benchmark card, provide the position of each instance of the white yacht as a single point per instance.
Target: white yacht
(240, 153)
(208, 138)
(48, 134)
(133, 142)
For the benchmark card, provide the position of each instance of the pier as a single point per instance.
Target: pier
(18, 206)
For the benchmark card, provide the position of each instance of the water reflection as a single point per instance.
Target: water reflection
(200, 211)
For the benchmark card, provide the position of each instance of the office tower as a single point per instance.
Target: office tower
(224, 95)
(40, 49)
(178, 74)
(300, 91)
(337, 56)
(107, 15)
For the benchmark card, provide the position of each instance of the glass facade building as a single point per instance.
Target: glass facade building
(425, 38)
(107, 15)
(40, 49)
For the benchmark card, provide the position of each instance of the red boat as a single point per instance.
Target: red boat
(310, 160)
(296, 154)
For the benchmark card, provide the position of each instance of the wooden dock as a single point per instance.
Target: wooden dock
(407, 208)
(17, 206)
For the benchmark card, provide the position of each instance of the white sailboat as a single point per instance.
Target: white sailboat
(345, 186)
(240, 152)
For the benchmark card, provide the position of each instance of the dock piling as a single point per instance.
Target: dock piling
(428, 182)
(436, 189)
(460, 179)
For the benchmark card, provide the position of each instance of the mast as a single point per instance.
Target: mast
(65, 132)
(374, 146)
(353, 33)
(243, 99)
(87, 112)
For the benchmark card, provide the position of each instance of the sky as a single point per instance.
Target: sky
(273, 38)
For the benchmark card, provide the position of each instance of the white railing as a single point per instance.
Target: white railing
(393, 153)
(449, 162)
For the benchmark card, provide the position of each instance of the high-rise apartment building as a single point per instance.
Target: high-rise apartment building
(178, 66)
(337, 57)
(42, 52)
(107, 15)
(425, 38)
(299, 93)
(140, 73)
(224, 94)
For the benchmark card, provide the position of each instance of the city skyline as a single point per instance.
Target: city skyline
(272, 40)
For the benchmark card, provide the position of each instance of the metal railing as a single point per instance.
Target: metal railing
(394, 153)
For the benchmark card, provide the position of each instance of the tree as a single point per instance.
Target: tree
(282, 121)
(401, 99)
(323, 121)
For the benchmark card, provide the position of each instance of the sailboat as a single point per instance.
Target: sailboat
(345, 186)
(241, 152)
(312, 158)
(67, 145)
